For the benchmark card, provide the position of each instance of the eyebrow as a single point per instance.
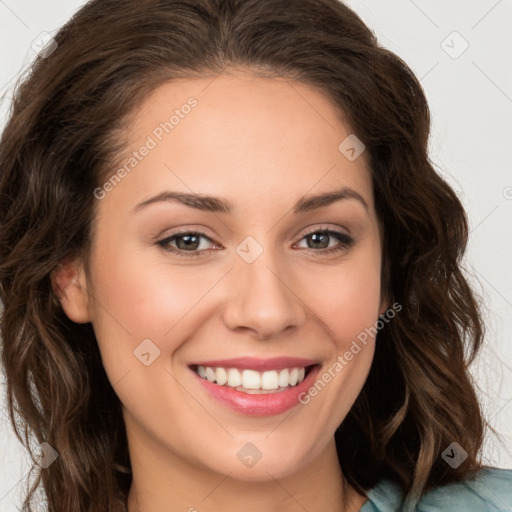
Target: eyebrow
(219, 205)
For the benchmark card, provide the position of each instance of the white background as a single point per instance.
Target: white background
(471, 145)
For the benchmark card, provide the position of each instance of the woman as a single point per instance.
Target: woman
(230, 273)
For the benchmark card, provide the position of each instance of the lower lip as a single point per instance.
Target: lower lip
(268, 404)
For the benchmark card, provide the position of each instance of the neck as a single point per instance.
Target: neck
(163, 481)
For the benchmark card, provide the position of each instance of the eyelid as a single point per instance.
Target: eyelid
(323, 227)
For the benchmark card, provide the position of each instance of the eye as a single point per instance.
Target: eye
(188, 242)
(318, 241)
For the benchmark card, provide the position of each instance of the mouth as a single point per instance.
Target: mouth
(256, 387)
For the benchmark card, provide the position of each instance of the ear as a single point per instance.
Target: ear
(70, 286)
(384, 305)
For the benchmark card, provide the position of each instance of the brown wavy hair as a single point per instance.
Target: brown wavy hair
(65, 128)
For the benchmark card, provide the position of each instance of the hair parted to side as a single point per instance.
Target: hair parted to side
(64, 131)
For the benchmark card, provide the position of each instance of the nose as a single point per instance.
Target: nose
(264, 298)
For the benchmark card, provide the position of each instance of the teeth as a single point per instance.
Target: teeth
(284, 378)
(251, 380)
(210, 374)
(294, 375)
(221, 376)
(270, 380)
(234, 378)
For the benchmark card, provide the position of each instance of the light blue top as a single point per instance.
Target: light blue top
(490, 491)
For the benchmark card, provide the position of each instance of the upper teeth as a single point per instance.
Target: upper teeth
(251, 379)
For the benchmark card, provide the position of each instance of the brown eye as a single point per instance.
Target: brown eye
(184, 242)
(318, 241)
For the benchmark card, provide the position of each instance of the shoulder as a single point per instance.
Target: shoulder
(490, 490)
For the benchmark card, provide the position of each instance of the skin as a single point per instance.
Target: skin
(262, 144)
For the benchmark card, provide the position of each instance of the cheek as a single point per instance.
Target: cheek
(146, 297)
(348, 297)
(137, 299)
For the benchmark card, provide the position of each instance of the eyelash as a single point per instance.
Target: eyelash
(345, 242)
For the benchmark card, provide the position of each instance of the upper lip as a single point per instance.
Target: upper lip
(253, 363)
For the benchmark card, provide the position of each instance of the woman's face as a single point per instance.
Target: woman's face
(248, 290)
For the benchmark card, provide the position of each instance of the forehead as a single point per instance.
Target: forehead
(239, 135)
(241, 105)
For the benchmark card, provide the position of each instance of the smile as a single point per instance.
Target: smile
(256, 387)
(252, 381)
